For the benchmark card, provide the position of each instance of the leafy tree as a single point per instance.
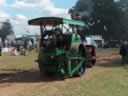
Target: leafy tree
(6, 30)
(104, 17)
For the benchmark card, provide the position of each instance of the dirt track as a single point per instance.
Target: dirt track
(21, 81)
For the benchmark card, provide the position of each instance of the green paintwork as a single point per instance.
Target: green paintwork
(59, 51)
(73, 22)
(77, 67)
(69, 67)
(75, 38)
(59, 60)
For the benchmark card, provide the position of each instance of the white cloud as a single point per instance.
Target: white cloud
(22, 4)
(21, 17)
(20, 25)
(19, 21)
(2, 3)
(47, 7)
(4, 16)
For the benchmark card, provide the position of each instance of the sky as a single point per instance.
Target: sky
(20, 11)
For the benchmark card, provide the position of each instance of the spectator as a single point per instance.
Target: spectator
(22, 51)
(1, 45)
(124, 52)
(14, 52)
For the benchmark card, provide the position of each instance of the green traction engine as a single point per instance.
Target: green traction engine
(61, 50)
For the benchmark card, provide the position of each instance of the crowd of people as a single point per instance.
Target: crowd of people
(18, 47)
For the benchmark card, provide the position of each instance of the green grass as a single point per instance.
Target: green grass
(8, 62)
(98, 81)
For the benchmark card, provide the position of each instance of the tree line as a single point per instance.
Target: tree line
(108, 18)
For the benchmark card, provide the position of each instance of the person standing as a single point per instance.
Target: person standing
(124, 52)
(1, 46)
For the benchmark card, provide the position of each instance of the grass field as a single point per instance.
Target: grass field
(19, 76)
